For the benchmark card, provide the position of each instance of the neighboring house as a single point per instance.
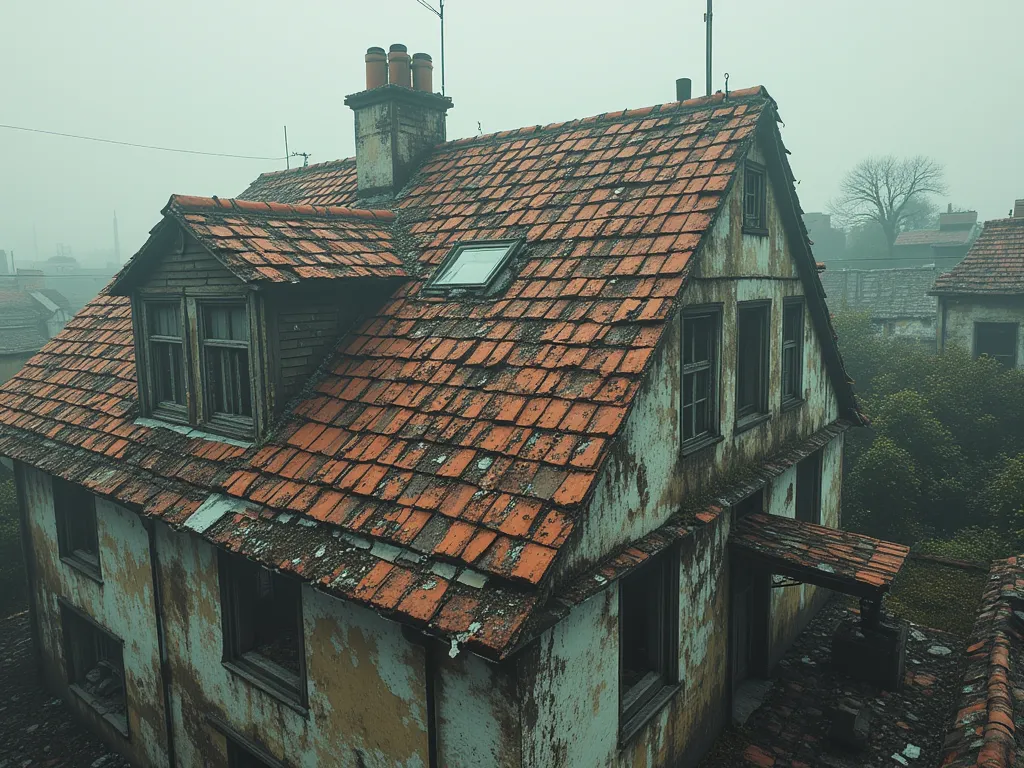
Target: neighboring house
(897, 300)
(470, 453)
(79, 284)
(981, 300)
(29, 317)
(827, 243)
(943, 247)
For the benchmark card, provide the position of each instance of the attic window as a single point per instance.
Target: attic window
(473, 266)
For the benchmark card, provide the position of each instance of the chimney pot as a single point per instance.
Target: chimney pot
(422, 72)
(376, 68)
(1018, 209)
(398, 66)
(684, 89)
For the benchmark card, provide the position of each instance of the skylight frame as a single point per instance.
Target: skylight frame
(435, 287)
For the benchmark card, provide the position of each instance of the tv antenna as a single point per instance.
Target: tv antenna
(439, 12)
(289, 155)
(707, 20)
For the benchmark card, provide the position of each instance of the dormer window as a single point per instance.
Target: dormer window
(473, 266)
(205, 382)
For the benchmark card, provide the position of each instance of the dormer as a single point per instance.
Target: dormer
(236, 303)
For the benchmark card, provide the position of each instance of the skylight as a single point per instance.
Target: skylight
(473, 265)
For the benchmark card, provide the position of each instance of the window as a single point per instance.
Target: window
(94, 661)
(808, 489)
(998, 341)
(166, 356)
(755, 208)
(792, 350)
(263, 638)
(752, 360)
(473, 265)
(241, 757)
(225, 355)
(648, 613)
(701, 333)
(77, 541)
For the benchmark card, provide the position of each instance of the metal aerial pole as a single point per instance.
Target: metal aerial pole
(707, 18)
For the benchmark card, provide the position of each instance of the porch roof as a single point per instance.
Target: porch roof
(840, 560)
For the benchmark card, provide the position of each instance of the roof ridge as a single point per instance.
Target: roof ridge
(310, 167)
(193, 202)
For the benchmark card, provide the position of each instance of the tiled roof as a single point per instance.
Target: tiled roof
(842, 560)
(451, 437)
(985, 730)
(283, 243)
(883, 293)
(940, 237)
(330, 183)
(995, 263)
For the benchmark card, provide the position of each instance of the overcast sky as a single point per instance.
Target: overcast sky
(852, 79)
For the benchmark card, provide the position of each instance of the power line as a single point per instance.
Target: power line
(138, 146)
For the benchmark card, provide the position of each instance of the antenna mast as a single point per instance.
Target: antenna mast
(707, 20)
(439, 12)
(287, 157)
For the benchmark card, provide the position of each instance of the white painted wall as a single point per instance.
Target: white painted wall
(960, 313)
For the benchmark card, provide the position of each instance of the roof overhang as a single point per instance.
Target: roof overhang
(843, 561)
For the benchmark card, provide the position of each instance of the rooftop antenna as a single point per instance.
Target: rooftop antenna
(439, 12)
(707, 20)
(305, 157)
(287, 156)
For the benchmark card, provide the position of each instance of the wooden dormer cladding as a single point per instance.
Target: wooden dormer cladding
(236, 304)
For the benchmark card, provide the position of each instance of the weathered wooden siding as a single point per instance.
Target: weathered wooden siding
(122, 604)
(192, 268)
(366, 681)
(958, 314)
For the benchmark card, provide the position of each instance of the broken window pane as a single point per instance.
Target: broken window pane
(75, 512)
(792, 350)
(263, 624)
(752, 360)
(648, 601)
(166, 352)
(998, 341)
(226, 360)
(700, 375)
(95, 666)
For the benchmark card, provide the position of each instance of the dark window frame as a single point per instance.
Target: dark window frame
(74, 623)
(240, 748)
(165, 410)
(230, 425)
(809, 486)
(690, 372)
(290, 687)
(645, 697)
(74, 510)
(751, 413)
(1008, 360)
(755, 198)
(793, 349)
(435, 287)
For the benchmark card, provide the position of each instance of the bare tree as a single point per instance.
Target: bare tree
(889, 192)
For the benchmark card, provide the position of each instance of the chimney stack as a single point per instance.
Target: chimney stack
(399, 119)
(684, 89)
(1018, 209)
(376, 68)
(422, 73)
(398, 66)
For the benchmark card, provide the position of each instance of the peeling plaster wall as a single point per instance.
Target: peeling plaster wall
(122, 604)
(572, 670)
(366, 681)
(958, 314)
(645, 479)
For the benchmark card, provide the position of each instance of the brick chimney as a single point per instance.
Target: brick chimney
(398, 119)
(1018, 209)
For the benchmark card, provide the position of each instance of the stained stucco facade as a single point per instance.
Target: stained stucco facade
(958, 315)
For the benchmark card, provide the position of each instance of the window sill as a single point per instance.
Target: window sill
(789, 405)
(84, 567)
(257, 677)
(756, 231)
(120, 722)
(635, 724)
(749, 422)
(698, 445)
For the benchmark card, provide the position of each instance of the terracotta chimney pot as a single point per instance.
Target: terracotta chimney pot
(376, 68)
(398, 66)
(422, 72)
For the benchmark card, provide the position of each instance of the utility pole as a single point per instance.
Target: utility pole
(287, 157)
(707, 19)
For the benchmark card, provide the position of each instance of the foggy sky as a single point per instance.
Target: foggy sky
(926, 77)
